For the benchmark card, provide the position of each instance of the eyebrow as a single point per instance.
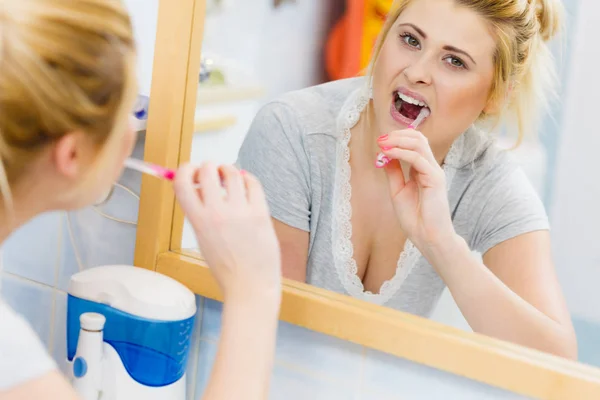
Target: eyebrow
(447, 47)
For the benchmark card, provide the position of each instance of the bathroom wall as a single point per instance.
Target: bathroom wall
(310, 365)
(576, 193)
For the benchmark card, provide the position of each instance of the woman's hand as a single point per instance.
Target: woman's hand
(233, 227)
(421, 204)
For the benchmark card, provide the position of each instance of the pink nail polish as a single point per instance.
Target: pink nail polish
(411, 127)
(386, 148)
(243, 172)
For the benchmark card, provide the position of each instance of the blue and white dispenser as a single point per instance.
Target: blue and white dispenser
(128, 334)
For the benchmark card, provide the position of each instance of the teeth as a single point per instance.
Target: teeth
(411, 100)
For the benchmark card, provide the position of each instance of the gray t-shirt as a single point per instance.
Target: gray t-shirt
(298, 148)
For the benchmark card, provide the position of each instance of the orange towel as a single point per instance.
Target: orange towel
(350, 43)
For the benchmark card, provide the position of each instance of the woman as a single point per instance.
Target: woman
(67, 86)
(374, 234)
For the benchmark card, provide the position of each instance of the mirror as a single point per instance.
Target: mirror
(257, 106)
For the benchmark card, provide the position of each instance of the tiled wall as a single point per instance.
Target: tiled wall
(314, 366)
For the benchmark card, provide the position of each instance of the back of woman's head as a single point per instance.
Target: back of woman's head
(65, 66)
(525, 73)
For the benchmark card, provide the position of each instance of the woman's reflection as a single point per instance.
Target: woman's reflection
(350, 227)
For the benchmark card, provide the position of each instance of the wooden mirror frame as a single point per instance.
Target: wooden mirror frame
(160, 226)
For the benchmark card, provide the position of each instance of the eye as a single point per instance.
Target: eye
(455, 62)
(410, 40)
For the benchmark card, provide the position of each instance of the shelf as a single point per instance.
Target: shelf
(214, 124)
(222, 94)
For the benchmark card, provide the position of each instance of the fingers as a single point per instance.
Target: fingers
(395, 176)
(242, 188)
(186, 192)
(408, 139)
(211, 190)
(234, 184)
(429, 175)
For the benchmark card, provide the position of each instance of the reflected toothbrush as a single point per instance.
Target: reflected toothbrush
(383, 160)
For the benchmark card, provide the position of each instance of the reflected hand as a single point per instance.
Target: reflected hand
(233, 229)
(421, 204)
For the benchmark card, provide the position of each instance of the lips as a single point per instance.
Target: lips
(406, 106)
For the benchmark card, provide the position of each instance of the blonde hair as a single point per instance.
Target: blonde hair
(525, 74)
(65, 66)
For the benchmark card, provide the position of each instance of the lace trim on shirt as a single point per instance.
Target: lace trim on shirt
(343, 250)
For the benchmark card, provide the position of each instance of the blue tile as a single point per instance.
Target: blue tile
(295, 345)
(32, 251)
(588, 344)
(288, 384)
(211, 319)
(206, 358)
(33, 301)
(325, 355)
(97, 241)
(59, 345)
(385, 373)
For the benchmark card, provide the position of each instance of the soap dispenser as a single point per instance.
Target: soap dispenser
(128, 334)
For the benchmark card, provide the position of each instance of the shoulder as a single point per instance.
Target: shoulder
(490, 178)
(483, 161)
(24, 357)
(311, 110)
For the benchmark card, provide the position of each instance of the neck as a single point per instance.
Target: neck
(25, 206)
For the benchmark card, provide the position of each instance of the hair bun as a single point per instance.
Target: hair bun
(550, 17)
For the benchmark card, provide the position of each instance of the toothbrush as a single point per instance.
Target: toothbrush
(150, 169)
(154, 170)
(383, 160)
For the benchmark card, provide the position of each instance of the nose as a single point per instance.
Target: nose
(419, 71)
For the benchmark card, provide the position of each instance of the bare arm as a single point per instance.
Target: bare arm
(52, 386)
(513, 295)
(294, 250)
(236, 235)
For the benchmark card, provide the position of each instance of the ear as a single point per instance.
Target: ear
(68, 154)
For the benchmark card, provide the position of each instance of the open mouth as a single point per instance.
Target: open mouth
(407, 107)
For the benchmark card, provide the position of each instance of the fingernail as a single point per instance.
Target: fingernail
(383, 137)
(243, 172)
(386, 148)
(411, 127)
